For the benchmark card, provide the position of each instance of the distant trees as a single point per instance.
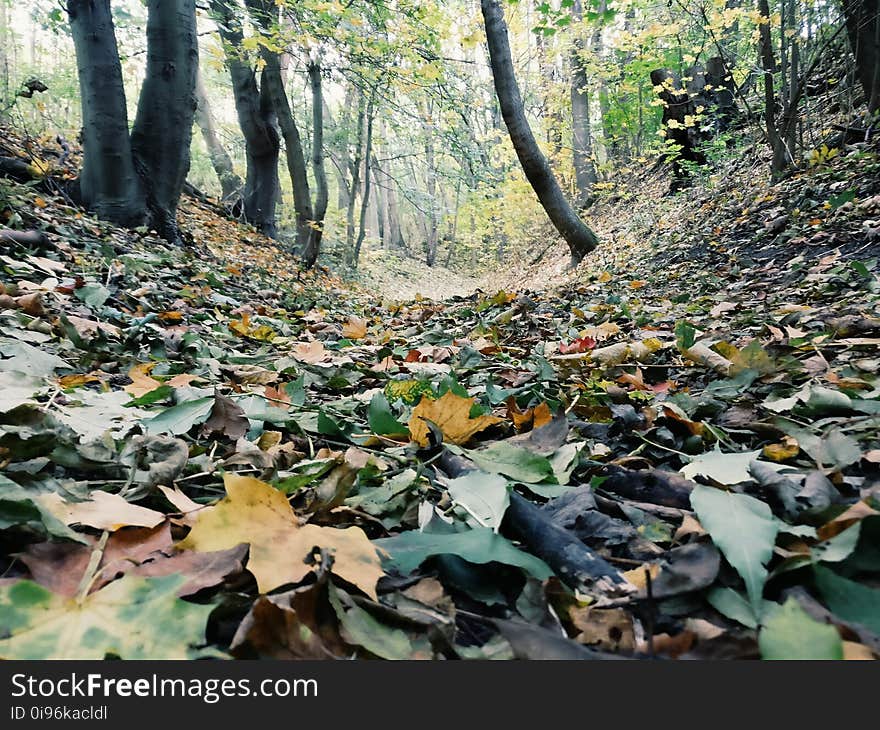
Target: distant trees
(437, 140)
(137, 177)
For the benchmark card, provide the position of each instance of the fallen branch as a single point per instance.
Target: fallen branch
(575, 563)
(31, 239)
(651, 485)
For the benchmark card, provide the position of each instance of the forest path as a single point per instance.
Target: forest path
(391, 277)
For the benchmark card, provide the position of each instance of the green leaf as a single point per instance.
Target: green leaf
(382, 421)
(732, 604)
(296, 391)
(359, 627)
(725, 468)
(17, 389)
(685, 335)
(329, 427)
(838, 450)
(20, 506)
(744, 529)
(484, 496)
(92, 294)
(305, 472)
(790, 633)
(180, 418)
(513, 461)
(132, 618)
(839, 547)
(835, 201)
(849, 600)
(409, 550)
(25, 358)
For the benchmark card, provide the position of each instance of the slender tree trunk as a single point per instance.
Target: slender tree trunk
(433, 232)
(4, 56)
(582, 143)
(768, 64)
(578, 236)
(322, 195)
(393, 229)
(257, 121)
(863, 28)
(365, 200)
(162, 132)
(108, 183)
(355, 168)
(230, 183)
(381, 202)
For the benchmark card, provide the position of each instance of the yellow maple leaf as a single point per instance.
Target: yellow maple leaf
(355, 328)
(141, 382)
(451, 414)
(256, 513)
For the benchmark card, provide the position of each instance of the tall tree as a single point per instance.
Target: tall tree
(4, 55)
(256, 117)
(322, 194)
(127, 178)
(230, 182)
(577, 235)
(108, 184)
(863, 27)
(582, 142)
(265, 14)
(162, 132)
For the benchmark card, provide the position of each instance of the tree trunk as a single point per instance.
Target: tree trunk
(776, 141)
(257, 121)
(322, 195)
(381, 202)
(582, 143)
(230, 183)
(433, 231)
(4, 57)
(108, 184)
(863, 29)
(365, 200)
(355, 168)
(162, 132)
(265, 16)
(578, 236)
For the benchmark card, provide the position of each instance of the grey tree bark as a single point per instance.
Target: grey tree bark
(108, 184)
(322, 194)
(365, 199)
(162, 132)
(582, 141)
(230, 182)
(256, 118)
(578, 236)
(265, 15)
(355, 168)
(863, 28)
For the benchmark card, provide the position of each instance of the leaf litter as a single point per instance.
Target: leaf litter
(207, 452)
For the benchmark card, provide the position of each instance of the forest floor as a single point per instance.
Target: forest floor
(672, 450)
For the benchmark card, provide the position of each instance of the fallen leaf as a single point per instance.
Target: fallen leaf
(256, 513)
(451, 414)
